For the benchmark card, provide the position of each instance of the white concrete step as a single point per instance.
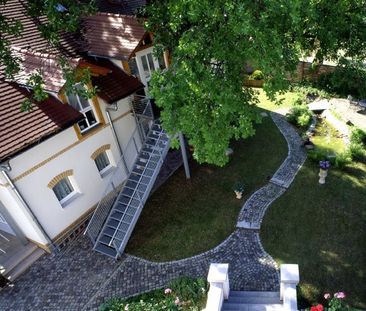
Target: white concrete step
(252, 307)
(253, 301)
(22, 262)
(18, 257)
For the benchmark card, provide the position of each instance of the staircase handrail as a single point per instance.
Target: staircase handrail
(138, 184)
(110, 182)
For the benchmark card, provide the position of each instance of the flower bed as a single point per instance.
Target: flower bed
(335, 303)
(182, 294)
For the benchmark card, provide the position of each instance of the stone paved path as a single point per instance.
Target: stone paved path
(81, 279)
(252, 213)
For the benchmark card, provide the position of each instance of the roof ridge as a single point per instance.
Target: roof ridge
(41, 54)
(114, 15)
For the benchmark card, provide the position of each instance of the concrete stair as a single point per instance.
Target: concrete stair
(21, 261)
(253, 301)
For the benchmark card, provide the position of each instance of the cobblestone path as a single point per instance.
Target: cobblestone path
(81, 279)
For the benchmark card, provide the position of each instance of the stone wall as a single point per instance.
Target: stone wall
(304, 71)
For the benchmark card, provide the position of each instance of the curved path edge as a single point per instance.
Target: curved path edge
(251, 267)
(81, 279)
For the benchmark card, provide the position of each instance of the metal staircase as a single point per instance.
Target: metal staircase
(114, 220)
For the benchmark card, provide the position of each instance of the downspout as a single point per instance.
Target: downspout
(4, 168)
(114, 107)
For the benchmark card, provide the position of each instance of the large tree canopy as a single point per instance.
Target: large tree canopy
(202, 93)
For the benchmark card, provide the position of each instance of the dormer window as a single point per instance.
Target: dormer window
(84, 106)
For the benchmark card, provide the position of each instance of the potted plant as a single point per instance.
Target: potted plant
(239, 189)
(323, 173)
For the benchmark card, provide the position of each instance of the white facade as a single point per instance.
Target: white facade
(33, 170)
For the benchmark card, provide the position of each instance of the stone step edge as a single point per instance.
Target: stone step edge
(248, 225)
(25, 264)
(17, 258)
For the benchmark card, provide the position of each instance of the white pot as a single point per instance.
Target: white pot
(239, 194)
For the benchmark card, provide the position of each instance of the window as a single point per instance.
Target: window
(83, 105)
(63, 190)
(102, 162)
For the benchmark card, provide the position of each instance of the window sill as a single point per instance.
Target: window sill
(70, 198)
(89, 129)
(106, 171)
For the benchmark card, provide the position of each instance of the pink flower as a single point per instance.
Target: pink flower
(340, 295)
(167, 291)
(177, 301)
(326, 296)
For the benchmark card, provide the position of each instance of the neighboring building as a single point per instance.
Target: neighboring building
(58, 160)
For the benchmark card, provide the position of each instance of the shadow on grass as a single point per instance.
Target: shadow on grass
(322, 228)
(184, 218)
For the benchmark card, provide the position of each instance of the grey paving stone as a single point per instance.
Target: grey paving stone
(81, 279)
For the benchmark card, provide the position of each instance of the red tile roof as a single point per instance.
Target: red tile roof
(46, 64)
(128, 7)
(112, 35)
(20, 130)
(31, 37)
(116, 84)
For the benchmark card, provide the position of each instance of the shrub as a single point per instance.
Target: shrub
(357, 151)
(182, 294)
(257, 75)
(317, 155)
(347, 79)
(310, 91)
(300, 116)
(342, 159)
(357, 147)
(358, 136)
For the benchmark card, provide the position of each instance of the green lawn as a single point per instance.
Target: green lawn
(183, 218)
(322, 228)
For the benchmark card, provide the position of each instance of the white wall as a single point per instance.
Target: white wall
(33, 187)
(21, 216)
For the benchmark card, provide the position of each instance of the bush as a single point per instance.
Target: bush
(357, 151)
(317, 155)
(358, 136)
(342, 159)
(357, 147)
(300, 116)
(310, 91)
(257, 75)
(182, 294)
(347, 79)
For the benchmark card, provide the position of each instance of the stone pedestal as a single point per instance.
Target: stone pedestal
(322, 175)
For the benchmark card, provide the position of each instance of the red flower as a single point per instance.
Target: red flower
(319, 307)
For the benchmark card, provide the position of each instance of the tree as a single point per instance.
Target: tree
(202, 93)
(61, 16)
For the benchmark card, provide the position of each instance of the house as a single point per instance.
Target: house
(69, 155)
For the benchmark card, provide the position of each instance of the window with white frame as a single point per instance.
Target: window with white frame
(63, 190)
(102, 162)
(85, 107)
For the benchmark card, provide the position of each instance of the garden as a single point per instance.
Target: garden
(319, 227)
(187, 217)
(181, 294)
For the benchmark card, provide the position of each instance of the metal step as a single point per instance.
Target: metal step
(128, 205)
(106, 250)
